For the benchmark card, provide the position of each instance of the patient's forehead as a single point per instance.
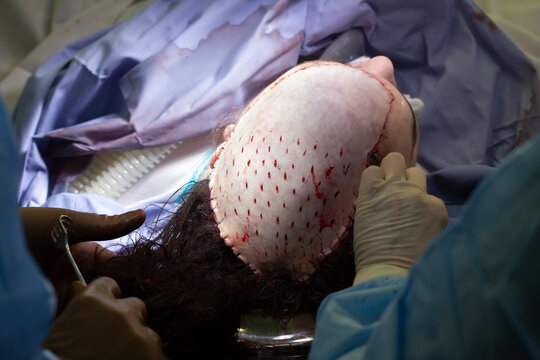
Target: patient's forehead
(284, 186)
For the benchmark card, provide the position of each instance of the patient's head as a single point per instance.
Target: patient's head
(285, 182)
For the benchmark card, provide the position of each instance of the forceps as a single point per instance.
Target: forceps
(59, 235)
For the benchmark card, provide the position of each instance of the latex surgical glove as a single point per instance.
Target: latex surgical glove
(395, 219)
(98, 324)
(84, 228)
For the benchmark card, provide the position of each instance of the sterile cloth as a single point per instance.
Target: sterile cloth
(33, 30)
(474, 294)
(27, 301)
(519, 21)
(174, 69)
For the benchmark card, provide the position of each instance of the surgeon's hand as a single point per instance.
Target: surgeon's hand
(84, 228)
(395, 219)
(98, 324)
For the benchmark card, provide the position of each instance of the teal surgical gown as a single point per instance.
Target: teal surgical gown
(475, 293)
(27, 301)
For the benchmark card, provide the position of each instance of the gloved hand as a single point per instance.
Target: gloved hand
(395, 219)
(97, 324)
(85, 227)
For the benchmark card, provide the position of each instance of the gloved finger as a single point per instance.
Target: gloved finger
(437, 206)
(84, 226)
(393, 166)
(135, 305)
(66, 293)
(369, 176)
(416, 176)
(94, 227)
(76, 288)
(105, 286)
(73, 289)
(153, 337)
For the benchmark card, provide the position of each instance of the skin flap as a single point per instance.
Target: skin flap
(285, 183)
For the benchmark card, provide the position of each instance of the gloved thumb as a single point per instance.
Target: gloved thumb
(76, 288)
(94, 227)
(68, 292)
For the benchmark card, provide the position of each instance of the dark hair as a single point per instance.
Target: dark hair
(195, 288)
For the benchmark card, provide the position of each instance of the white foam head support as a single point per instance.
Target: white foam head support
(284, 186)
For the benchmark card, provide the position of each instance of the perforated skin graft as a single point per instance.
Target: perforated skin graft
(284, 184)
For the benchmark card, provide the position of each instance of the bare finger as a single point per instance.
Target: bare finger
(227, 132)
